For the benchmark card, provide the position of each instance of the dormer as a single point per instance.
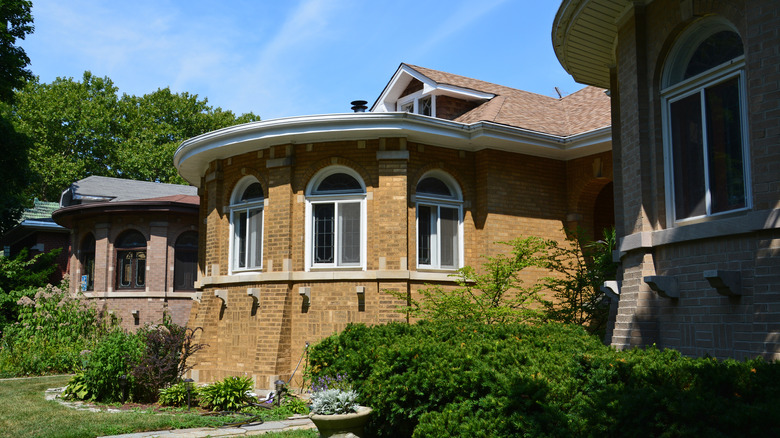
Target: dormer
(410, 90)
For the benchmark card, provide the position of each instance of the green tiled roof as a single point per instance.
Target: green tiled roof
(41, 210)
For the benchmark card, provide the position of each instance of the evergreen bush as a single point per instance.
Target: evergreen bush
(456, 379)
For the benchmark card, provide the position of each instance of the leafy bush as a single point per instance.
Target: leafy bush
(582, 269)
(176, 395)
(226, 395)
(167, 347)
(54, 328)
(495, 294)
(456, 379)
(106, 374)
(21, 276)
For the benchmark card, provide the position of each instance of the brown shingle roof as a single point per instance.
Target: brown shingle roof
(579, 112)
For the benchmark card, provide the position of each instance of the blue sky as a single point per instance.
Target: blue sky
(293, 57)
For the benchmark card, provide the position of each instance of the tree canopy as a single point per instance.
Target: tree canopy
(15, 23)
(83, 128)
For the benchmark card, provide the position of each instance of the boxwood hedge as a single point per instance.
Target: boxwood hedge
(460, 379)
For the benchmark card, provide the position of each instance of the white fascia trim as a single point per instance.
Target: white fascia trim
(194, 155)
(469, 94)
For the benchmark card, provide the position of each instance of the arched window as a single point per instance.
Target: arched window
(336, 219)
(246, 223)
(87, 259)
(185, 264)
(439, 222)
(131, 260)
(705, 131)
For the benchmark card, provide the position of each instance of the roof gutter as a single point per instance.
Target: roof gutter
(194, 155)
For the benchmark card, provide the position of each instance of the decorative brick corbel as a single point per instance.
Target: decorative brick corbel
(663, 285)
(611, 289)
(728, 283)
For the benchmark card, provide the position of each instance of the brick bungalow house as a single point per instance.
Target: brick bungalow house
(306, 220)
(696, 126)
(134, 246)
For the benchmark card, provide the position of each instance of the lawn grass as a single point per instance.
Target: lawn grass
(24, 412)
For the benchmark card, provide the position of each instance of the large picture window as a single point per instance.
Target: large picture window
(131, 260)
(439, 223)
(336, 220)
(705, 135)
(246, 222)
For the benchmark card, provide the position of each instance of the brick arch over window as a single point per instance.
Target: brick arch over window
(418, 174)
(232, 183)
(311, 171)
(596, 207)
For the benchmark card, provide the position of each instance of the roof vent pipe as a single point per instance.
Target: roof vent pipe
(359, 106)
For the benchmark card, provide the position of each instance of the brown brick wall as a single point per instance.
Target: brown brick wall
(700, 321)
(161, 231)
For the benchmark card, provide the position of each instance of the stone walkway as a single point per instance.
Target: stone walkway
(201, 432)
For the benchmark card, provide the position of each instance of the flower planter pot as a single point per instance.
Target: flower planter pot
(342, 425)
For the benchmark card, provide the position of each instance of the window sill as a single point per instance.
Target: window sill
(329, 275)
(715, 227)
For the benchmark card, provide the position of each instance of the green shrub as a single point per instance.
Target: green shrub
(449, 379)
(110, 364)
(226, 395)
(53, 329)
(176, 395)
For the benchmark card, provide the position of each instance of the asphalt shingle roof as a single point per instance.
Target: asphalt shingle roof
(579, 112)
(119, 190)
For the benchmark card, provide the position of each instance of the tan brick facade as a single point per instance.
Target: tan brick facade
(505, 195)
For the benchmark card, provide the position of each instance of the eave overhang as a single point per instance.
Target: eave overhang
(67, 216)
(584, 34)
(193, 156)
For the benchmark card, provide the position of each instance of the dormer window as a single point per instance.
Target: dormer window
(417, 104)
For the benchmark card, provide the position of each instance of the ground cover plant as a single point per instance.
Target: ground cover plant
(464, 379)
(25, 412)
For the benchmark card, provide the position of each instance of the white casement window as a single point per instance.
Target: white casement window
(246, 226)
(439, 222)
(705, 125)
(336, 219)
(418, 104)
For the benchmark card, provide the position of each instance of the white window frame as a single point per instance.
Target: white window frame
(338, 199)
(428, 200)
(414, 99)
(676, 90)
(237, 206)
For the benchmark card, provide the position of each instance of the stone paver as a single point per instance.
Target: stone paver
(201, 432)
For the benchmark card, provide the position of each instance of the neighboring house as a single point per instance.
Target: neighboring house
(38, 233)
(135, 246)
(695, 98)
(306, 220)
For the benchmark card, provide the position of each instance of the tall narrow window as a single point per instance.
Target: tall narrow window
(439, 223)
(707, 172)
(246, 220)
(335, 201)
(185, 265)
(131, 260)
(87, 256)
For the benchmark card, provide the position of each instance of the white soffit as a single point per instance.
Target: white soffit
(584, 34)
(194, 155)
